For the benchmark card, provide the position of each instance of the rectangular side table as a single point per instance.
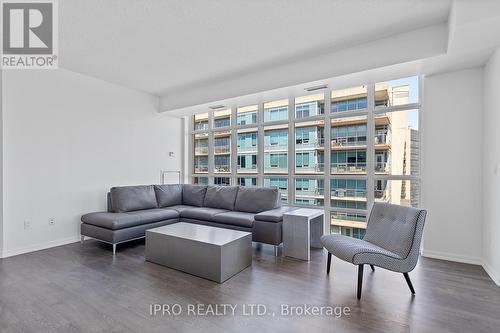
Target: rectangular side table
(302, 229)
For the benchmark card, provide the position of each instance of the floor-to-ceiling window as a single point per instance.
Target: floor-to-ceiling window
(338, 149)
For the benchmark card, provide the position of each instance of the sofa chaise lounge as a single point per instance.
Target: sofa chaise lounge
(134, 209)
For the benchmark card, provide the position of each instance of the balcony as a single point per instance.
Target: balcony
(222, 122)
(246, 149)
(201, 150)
(382, 167)
(341, 142)
(275, 147)
(222, 168)
(317, 168)
(310, 144)
(200, 168)
(350, 221)
(382, 195)
(340, 168)
(222, 149)
(275, 169)
(201, 125)
(342, 193)
(250, 169)
(310, 193)
(382, 139)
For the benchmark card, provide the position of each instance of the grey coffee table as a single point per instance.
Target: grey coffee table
(212, 253)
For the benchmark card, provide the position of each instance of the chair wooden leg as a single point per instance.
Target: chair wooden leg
(328, 263)
(373, 268)
(407, 278)
(360, 280)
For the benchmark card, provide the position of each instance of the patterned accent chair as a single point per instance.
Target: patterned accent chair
(392, 241)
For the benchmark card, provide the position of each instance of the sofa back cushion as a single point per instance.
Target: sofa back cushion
(130, 198)
(257, 199)
(193, 195)
(222, 197)
(168, 195)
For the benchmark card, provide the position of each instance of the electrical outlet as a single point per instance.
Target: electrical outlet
(52, 221)
(27, 224)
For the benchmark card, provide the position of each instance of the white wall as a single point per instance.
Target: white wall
(491, 165)
(1, 163)
(67, 139)
(452, 165)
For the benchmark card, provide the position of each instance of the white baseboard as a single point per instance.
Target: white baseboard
(37, 247)
(452, 257)
(466, 260)
(491, 272)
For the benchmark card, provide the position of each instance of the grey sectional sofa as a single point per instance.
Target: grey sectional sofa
(134, 209)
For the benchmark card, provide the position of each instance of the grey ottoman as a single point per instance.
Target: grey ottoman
(212, 253)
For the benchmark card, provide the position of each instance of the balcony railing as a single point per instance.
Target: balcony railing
(242, 149)
(344, 142)
(317, 143)
(252, 168)
(382, 195)
(202, 125)
(310, 193)
(382, 167)
(348, 168)
(222, 168)
(200, 168)
(201, 150)
(348, 193)
(382, 139)
(319, 167)
(275, 147)
(222, 149)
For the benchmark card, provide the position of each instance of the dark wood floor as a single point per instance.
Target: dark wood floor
(77, 288)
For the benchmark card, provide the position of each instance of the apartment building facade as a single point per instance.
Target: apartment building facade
(339, 149)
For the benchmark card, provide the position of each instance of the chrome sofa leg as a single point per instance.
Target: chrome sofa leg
(82, 239)
(114, 249)
(276, 247)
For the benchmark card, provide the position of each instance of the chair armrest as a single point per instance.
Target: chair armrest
(273, 215)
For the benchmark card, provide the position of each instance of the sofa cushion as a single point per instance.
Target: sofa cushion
(180, 208)
(155, 215)
(257, 199)
(201, 213)
(131, 198)
(193, 195)
(222, 197)
(235, 218)
(115, 221)
(273, 215)
(168, 195)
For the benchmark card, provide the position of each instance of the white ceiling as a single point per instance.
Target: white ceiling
(194, 51)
